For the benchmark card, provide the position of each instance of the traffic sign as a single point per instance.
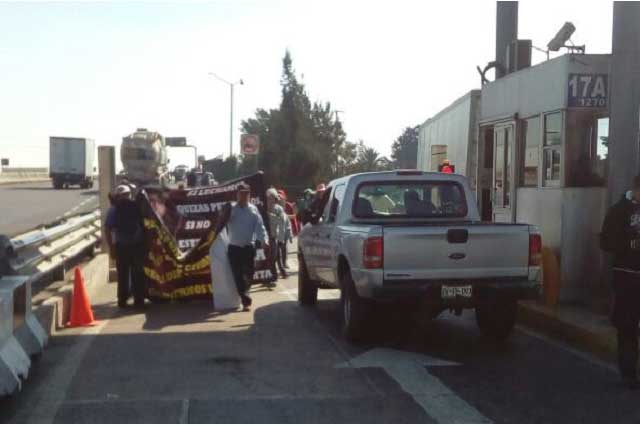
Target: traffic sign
(249, 144)
(176, 141)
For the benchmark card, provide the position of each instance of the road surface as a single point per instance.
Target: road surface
(282, 363)
(26, 206)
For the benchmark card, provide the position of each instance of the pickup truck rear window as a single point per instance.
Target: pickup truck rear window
(431, 199)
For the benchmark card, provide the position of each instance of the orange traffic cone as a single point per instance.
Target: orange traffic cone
(81, 313)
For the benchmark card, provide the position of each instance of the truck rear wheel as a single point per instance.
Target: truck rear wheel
(307, 289)
(496, 320)
(355, 311)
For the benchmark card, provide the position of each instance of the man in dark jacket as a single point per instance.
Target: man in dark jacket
(621, 237)
(125, 238)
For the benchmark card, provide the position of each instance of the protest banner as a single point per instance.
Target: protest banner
(180, 226)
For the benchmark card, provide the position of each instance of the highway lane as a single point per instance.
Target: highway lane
(26, 206)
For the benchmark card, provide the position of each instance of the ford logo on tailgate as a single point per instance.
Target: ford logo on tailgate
(457, 256)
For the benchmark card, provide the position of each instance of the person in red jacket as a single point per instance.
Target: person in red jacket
(446, 167)
(290, 210)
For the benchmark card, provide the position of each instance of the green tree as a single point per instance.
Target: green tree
(404, 150)
(223, 169)
(265, 124)
(346, 159)
(369, 160)
(300, 141)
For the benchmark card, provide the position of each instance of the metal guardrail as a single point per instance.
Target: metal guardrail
(38, 252)
(24, 260)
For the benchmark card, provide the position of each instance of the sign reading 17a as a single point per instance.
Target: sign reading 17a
(588, 90)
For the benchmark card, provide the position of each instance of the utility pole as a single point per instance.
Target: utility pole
(231, 123)
(231, 87)
(624, 109)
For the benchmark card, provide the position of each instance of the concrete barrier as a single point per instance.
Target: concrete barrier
(21, 335)
(9, 175)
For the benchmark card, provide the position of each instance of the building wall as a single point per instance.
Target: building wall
(582, 261)
(570, 220)
(542, 208)
(455, 127)
(526, 92)
(541, 88)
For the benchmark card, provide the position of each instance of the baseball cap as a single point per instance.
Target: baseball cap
(272, 192)
(243, 187)
(123, 189)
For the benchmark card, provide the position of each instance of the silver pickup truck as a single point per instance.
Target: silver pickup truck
(415, 238)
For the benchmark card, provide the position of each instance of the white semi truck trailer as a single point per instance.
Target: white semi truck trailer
(71, 162)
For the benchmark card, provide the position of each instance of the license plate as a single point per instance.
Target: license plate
(451, 292)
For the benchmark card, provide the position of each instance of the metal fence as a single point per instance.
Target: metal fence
(42, 251)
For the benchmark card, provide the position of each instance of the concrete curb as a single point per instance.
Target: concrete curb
(53, 312)
(577, 327)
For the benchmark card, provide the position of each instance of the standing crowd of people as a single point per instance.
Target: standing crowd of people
(246, 231)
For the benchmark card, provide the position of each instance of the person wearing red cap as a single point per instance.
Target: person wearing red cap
(446, 167)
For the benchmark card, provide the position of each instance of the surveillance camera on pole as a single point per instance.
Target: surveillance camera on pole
(562, 37)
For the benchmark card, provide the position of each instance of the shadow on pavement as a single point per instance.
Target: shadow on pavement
(227, 369)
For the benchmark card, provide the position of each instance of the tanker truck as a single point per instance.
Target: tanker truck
(144, 157)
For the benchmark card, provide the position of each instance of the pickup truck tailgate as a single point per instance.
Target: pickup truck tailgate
(456, 252)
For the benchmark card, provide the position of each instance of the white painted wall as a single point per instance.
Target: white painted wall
(537, 89)
(570, 220)
(582, 262)
(456, 127)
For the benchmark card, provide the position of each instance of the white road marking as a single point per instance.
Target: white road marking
(44, 403)
(409, 370)
(184, 412)
(74, 209)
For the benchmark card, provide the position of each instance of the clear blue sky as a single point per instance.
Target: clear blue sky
(102, 69)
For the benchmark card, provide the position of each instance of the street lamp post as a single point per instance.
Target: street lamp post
(231, 87)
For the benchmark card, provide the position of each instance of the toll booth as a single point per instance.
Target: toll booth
(537, 154)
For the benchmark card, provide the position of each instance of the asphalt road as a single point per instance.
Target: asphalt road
(26, 206)
(283, 363)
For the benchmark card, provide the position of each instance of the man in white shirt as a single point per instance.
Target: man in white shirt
(246, 233)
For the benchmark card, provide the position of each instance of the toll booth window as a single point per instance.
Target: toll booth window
(552, 151)
(531, 151)
(586, 148)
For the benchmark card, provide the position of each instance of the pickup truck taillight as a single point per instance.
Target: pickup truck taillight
(372, 257)
(535, 250)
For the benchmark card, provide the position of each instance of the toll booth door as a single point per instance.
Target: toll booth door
(504, 173)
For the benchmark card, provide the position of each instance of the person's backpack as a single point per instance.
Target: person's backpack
(128, 219)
